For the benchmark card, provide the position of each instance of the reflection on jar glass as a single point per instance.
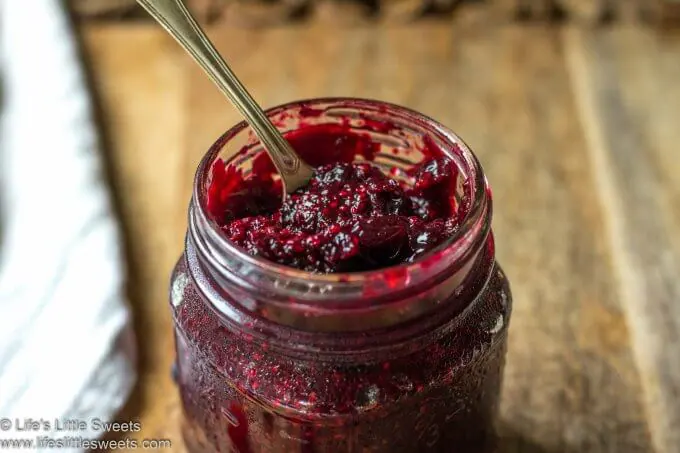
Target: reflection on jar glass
(406, 359)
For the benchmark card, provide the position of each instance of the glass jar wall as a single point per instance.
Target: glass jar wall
(406, 359)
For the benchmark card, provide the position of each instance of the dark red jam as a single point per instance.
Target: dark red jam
(351, 217)
(243, 395)
(270, 359)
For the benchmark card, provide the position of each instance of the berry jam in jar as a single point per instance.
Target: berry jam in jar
(365, 313)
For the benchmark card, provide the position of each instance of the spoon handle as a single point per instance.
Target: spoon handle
(178, 21)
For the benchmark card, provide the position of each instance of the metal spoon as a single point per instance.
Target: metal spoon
(178, 21)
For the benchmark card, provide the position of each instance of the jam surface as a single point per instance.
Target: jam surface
(350, 217)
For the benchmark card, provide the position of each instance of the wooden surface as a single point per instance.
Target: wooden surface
(578, 133)
(257, 13)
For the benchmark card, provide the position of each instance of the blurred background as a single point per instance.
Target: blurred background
(573, 107)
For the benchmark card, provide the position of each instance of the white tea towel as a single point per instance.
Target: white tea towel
(66, 346)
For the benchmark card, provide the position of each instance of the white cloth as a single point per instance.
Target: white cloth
(66, 347)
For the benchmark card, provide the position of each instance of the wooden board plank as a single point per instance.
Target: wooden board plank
(626, 83)
(571, 383)
(140, 85)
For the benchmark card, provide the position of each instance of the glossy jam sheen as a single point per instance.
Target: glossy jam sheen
(351, 217)
(437, 392)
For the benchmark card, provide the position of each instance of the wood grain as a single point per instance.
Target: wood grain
(625, 86)
(588, 11)
(585, 372)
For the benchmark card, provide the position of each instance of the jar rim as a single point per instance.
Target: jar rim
(453, 249)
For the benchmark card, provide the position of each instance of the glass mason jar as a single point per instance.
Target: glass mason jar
(407, 359)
